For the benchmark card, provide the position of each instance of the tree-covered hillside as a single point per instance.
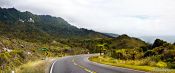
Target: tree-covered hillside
(31, 27)
(120, 42)
(125, 41)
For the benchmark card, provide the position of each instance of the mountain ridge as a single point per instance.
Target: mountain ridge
(34, 26)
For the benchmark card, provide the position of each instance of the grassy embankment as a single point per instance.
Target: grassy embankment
(38, 66)
(133, 64)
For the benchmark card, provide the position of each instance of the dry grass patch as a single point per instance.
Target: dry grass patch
(39, 66)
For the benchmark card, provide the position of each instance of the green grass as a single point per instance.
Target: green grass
(39, 66)
(137, 64)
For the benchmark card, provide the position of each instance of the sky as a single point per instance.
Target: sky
(132, 17)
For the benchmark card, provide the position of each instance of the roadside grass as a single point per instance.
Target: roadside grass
(38, 66)
(132, 64)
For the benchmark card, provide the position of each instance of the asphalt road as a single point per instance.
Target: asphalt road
(81, 64)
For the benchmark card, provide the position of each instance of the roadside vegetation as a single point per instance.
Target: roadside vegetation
(143, 65)
(16, 52)
(159, 56)
(132, 51)
(38, 66)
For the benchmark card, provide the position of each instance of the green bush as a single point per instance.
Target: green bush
(161, 64)
(171, 65)
(149, 53)
(152, 63)
(156, 58)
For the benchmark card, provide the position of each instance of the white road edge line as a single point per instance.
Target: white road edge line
(51, 69)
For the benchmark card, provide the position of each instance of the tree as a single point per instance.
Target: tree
(174, 43)
(158, 43)
(101, 47)
(149, 53)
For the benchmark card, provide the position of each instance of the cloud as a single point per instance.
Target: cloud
(133, 17)
(5, 3)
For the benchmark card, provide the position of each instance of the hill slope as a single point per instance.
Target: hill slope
(120, 42)
(25, 25)
(112, 35)
(124, 41)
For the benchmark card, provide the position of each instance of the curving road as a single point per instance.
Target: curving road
(81, 64)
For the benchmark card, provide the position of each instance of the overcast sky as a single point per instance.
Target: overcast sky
(133, 17)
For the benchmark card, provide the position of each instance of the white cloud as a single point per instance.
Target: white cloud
(133, 17)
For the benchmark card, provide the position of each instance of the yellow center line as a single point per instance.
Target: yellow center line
(84, 68)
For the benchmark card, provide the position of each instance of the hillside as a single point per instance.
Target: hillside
(31, 27)
(124, 41)
(15, 52)
(120, 42)
(111, 35)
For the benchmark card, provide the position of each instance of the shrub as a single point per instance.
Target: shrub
(158, 43)
(171, 65)
(156, 58)
(152, 63)
(149, 53)
(146, 61)
(159, 50)
(21, 54)
(169, 55)
(161, 64)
